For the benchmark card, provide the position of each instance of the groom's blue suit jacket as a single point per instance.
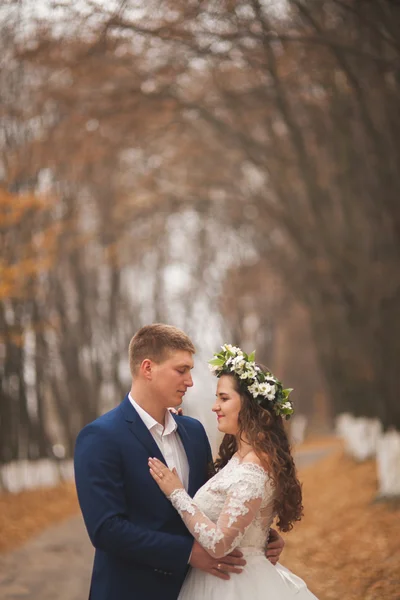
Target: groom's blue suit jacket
(142, 546)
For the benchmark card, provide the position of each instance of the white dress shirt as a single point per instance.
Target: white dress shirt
(168, 440)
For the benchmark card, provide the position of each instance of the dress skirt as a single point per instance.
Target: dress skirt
(259, 580)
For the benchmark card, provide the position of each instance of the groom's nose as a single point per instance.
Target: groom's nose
(189, 380)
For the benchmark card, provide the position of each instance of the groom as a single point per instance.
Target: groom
(143, 549)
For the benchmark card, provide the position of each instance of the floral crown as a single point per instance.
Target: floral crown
(260, 384)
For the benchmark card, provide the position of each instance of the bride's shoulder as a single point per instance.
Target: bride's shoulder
(253, 459)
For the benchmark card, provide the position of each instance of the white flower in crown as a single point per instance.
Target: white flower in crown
(267, 390)
(233, 349)
(254, 389)
(227, 347)
(214, 369)
(251, 370)
(238, 364)
(286, 405)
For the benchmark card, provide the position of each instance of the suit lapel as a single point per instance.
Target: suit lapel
(139, 430)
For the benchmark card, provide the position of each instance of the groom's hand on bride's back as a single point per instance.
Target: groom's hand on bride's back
(176, 411)
(275, 546)
(222, 567)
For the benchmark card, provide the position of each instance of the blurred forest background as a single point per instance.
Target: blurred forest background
(231, 167)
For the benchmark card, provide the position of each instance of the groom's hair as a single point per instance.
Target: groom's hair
(156, 342)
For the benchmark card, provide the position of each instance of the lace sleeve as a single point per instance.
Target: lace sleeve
(241, 506)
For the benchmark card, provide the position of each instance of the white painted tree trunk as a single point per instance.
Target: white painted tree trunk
(24, 474)
(388, 464)
(298, 424)
(360, 435)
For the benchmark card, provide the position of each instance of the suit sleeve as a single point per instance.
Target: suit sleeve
(100, 487)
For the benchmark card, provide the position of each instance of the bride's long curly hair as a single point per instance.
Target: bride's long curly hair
(264, 431)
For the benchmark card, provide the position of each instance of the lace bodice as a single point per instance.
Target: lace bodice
(234, 508)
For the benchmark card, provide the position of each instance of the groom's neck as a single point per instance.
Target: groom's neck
(148, 404)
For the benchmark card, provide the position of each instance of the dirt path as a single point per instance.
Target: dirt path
(56, 565)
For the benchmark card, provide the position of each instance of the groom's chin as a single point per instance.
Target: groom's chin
(175, 402)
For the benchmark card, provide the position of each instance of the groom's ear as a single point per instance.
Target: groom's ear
(146, 369)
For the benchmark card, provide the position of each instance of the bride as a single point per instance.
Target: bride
(255, 482)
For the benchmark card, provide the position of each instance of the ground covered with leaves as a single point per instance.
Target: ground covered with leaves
(25, 514)
(347, 547)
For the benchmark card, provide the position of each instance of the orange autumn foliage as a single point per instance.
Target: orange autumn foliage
(27, 242)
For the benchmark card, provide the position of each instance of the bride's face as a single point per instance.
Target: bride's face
(227, 405)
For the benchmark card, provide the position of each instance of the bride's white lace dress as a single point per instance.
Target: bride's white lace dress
(234, 509)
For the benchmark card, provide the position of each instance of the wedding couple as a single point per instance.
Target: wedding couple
(165, 521)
